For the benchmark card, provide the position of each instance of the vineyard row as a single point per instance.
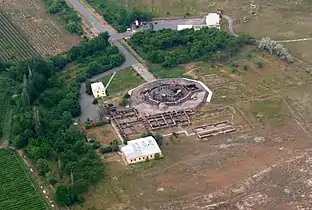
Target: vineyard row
(12, 44)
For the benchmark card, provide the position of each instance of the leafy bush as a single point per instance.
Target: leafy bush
(157, 156)
(65, 195)
(88, 87)
(260, 64)
(96, 145)
(69, 15)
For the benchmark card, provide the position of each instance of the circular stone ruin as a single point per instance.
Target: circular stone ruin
(169, 95)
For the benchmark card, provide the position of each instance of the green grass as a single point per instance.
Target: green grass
(17, 191)
(124, 80)
(161, 73)
(269, 112)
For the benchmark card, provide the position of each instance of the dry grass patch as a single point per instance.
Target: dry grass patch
(104, 134)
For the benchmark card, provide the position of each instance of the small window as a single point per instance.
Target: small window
(97, 91)
(130, 160)
(139, 158)
(134, 159)
(151, 156)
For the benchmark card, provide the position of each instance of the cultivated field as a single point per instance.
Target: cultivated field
(17, 189)
(13, 46)
(45, 32)
(265, 164)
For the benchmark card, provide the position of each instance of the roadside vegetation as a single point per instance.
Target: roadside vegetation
(17, 189)
(171, 48)
(119, 17)
(43, 108)
(67, 14)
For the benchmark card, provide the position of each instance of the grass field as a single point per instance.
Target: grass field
(123, 81)
(17, 189)
(161, 72)
(13, 46)
(47, 34)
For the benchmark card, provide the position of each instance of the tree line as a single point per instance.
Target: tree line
(43, 108)
(171, 47)
(118, 16)
(94, 56)
(68, 14)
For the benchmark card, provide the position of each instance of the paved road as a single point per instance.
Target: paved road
(130, 60)
(147, 76)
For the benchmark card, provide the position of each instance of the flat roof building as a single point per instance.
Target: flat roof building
(98, 89)
(140, 150)
(213, 20)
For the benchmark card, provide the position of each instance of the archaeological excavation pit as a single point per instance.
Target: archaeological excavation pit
(166, 95)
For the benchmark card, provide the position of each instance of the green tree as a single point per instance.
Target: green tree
(65, 195)
(42, 166)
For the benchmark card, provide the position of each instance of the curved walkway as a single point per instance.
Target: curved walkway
(230, 24)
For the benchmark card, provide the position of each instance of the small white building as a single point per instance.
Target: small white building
(213, 20)
(140, 150)
(98, 89)
(181, 27)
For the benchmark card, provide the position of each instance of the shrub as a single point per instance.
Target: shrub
(99, 123)
(175, 134)
(106, 149)
(95, 101)
(157, 156)
(96, 145)
(260, 64)
(88, 126)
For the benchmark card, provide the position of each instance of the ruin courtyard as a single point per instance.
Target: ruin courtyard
(167, 95)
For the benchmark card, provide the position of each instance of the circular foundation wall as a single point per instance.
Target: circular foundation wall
(166, 95)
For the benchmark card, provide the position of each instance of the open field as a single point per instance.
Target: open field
(47, 35)
(123, 81)
(104, 134)
(161, 72)
(265, 164)
(17, 189)
(13, 46)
